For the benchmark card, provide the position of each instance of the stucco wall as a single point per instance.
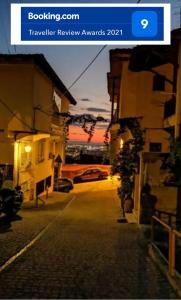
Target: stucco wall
(16, 90)
(167, 198)
(137, 98)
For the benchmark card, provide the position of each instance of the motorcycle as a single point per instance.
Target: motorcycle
(10, 201)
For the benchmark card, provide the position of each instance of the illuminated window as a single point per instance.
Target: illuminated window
(25, 156)
(40, 150)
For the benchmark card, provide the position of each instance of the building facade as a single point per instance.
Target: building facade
(142, 95)
(32, 130)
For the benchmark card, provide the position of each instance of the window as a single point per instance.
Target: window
(40, 150)
(158, 83)
(87, 172)
(51, 149)
(25, 156)
(48, 181)
(40, 187)
(155, 147)
(57, 100)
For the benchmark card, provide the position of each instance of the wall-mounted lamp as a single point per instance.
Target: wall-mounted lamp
(121, 143)
(27, 148)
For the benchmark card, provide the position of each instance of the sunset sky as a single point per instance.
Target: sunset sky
(90, 91)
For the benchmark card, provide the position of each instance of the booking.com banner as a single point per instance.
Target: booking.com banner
(53, 24)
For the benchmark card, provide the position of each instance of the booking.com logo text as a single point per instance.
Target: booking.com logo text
(56, 17)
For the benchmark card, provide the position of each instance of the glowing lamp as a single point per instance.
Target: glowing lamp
(121, 143)
(27, 148)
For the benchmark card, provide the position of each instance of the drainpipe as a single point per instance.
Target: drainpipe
(112, 107)
(178, 95)
(178, 124)
(141, 178)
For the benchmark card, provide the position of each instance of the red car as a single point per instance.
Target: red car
(91, 174)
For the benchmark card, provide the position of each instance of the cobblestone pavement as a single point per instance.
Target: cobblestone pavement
(87, 254)
(29, 222)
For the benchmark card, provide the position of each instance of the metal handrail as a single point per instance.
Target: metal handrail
(162, 223)
(170, 215)
(177, 233)
(171, 244)
(166, 212)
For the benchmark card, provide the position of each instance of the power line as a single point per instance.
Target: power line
(84, 71)
(88, 66)
(14, 114)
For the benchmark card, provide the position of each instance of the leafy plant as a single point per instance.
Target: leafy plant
(128, 158)
(173, 161)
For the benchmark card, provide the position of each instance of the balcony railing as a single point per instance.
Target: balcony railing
(169, 108)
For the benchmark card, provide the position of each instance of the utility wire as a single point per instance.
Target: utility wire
(83, 72)
(74, 82)
(14, 114)
(88, 66)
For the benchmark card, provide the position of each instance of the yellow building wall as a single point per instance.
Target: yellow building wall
(64, 104)
(156, 136)
(137, 98)
(35, 172)
(6, 152)
(23, 87)
(43, 98)
(16, 90)
(16, 87)
(167, 198)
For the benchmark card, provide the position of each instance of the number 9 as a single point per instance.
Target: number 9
(144, 23)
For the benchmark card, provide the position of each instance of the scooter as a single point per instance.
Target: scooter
(10, 201)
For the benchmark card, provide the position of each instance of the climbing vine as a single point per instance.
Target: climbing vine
(172, 162)
(127, 161)
(106, 135)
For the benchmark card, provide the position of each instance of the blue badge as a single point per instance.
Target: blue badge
(144, 24)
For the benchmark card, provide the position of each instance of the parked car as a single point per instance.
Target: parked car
(63, 185)
(91, 174)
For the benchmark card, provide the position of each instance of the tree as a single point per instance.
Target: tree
(88, 122)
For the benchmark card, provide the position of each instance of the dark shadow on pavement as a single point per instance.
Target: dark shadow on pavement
(6, 223)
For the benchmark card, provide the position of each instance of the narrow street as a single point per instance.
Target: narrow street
(85, 253)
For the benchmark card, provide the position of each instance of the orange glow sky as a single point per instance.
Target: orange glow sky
(77, 134)
(95, 108)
